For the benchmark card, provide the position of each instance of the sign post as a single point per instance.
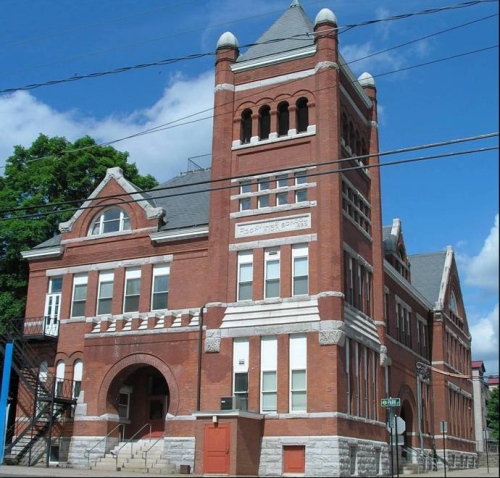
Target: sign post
(390, 403)
(444, 429)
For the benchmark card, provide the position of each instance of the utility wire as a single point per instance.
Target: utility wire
(171, 124)
(201, 55)
(211, 189)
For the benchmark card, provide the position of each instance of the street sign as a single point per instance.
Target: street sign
(390, 402)
(397, 424)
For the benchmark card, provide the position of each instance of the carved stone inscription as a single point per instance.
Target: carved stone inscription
(258, 228)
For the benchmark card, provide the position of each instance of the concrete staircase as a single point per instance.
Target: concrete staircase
(141, 456)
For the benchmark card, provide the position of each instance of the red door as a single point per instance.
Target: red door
(216, 449)
(294, 459)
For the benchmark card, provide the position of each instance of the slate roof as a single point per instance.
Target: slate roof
(427, 272)
(390, 241)
(294, 26)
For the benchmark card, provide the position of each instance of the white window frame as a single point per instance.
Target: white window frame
(299, 252)
(80, 282)
(264, 200)
(132, 276)
(105, 277)
(162, 270)
(298, 363)
(245, 259)
(269, 367)
(241, 355)
(300, 179)
(272, 257)
(60, 371)
(98, 226)
(77, 377)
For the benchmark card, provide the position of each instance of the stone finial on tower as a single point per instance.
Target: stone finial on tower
(325, 16)
(366, 80)
(228, 40)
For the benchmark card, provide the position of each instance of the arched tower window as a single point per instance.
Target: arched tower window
(113, 219)
(246, 126)
(351, 136)
(357, 146)
(264, 122)
(283, 119)
(302, 115)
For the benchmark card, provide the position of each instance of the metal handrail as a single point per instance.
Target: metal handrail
(88, 450)
(145, 453)
(130, 440)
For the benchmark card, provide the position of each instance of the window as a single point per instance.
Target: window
(302, 115)
(79, 295)
(124, 402)
(300, 270)
(132, 290)
(272, 273)
(281, 199)
(264, 199)
(245, 275)
(269, 365)
(357, 284)
(60, 370)
(282, 181)
(300, 194)
(53, 306)
(77, 378)
(161, 276)
(245, 203)
(105, 296)
(264, 122)
(283, 119)
(113, 219)
(298, 375)
(246, 126)
(240, 370)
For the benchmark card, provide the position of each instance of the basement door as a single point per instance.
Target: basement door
(216, 449)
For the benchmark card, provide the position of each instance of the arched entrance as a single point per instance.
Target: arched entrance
(139, 394)
(407, 415)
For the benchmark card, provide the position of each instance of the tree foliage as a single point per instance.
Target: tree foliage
(492, 415)
(52, 171)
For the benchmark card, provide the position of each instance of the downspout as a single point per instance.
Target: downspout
(200, 344)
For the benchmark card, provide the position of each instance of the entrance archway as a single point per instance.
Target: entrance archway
(140, 394)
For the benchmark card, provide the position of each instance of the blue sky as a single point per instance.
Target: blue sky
(449, 201)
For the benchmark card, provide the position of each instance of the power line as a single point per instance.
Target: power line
(201, 55)
(208, 182)
(170, 125)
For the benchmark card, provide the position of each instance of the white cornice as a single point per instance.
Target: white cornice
(43, 253)
(169, 236)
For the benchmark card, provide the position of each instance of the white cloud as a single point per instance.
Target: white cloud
(485, 341)
(482, 270)
(163, 153)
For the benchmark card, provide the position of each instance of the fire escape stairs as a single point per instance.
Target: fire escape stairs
(42, 400)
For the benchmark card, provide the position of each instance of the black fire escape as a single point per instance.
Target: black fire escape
(43, 402)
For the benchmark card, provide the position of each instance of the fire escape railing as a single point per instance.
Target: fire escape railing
(41, 399)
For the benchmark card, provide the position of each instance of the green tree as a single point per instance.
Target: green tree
(492, 412)
(51, 171)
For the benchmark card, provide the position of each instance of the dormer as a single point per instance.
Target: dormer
(395, 249)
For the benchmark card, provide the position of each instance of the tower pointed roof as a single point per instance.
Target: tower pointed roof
(291, 32)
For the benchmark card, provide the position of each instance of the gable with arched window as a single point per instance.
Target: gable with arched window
(113, 219)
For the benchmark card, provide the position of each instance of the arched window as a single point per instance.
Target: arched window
(60, 369)
(357, 145)
(77, 377)
(283, 119)
(264, 122)
(453, 303)
(351, 136)
(345, 129)
(113, 219)
(246, 126)
(364, 151)
(302, 115)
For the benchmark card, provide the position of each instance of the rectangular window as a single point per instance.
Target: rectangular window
(79, 295)
(245, 203)
(298, 375)
(281, 199)
(132, 290)
(245, 275)
(105, 296)
(240, 371)
(282, 181)
(300, 194)
(272, 273)
(300, 270)
(263, 200)
(53, 298)
(269, 366)
(161, 277)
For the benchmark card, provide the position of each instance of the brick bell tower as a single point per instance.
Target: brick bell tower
(295, 238)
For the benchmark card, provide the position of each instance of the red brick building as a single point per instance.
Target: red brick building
(257, 313)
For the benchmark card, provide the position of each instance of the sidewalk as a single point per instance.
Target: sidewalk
(13, 471)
